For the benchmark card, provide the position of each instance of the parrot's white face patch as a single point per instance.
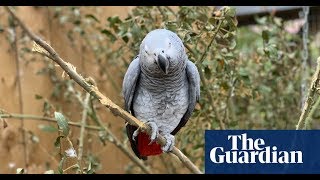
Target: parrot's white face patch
(146, 49)
(161, 42)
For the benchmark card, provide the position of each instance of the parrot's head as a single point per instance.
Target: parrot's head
(162, 52)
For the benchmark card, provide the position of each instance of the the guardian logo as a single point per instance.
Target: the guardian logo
(246, 150)
(262, 152)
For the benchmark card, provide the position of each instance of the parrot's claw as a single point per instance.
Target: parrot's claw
(154, 131)
(169, 143)
(135, 134)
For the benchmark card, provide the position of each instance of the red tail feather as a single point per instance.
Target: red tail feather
(145, 149)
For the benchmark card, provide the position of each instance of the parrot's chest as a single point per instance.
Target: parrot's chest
(164, 105)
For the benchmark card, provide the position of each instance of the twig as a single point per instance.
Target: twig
(161, 11)
(203, 81)
(118, 143)
(212, 39)
(190, 50)
(168, 8)
(68, 151)
(168, 165)
(309, 103)
(82, 130)
(70, 167)
(312, 111)
(92, 113)
(18, 82)
(115, 109)
(101, 126)
(103, 68)
(34, 117)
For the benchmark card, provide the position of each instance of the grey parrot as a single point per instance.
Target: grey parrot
(160, 88)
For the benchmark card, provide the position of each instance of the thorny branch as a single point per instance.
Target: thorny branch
(93, 90)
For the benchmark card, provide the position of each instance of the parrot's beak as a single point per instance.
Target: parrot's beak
(163, 63)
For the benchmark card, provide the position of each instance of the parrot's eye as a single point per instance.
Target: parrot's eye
(146, 52)
(162, 51)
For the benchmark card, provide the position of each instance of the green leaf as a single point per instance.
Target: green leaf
(231, 11)
(171, 25)
(90, 170)
(125, 39)
(203, 18)
(207, 72)
(278, 21)
(1, 28)
(224, 51)
(186, 38)
(62, 123)
(47, 128)
(265, 36)
(225, 85)
(77, 22)
(109, 35)
(37, 96)
(90, 16)
(212, 20)
(271, 50)
(243, 72)
(60, 170)
(57, 142)
(114, 20)
(233, 44)
(265, 89)
(262, 20)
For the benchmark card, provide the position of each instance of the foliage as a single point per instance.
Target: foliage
(273, 73)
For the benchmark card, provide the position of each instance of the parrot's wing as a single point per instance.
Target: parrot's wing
(129, 83)
(194, 93)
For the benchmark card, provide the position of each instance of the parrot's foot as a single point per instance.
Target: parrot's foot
(154, 131)
(169, 143)
(135, 134)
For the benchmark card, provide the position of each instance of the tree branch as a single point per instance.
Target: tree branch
(33, 117)
(309, 102)
(82, 130)
(211, 42)
(118, 143)
(18, 82)
(93, 90)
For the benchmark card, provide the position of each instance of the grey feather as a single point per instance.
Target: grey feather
(129, 82)
(194, 93)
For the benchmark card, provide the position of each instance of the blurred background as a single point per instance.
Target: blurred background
(256, 64)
